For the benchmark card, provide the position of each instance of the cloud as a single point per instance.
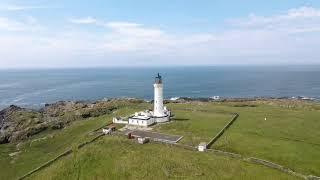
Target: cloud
(305, 12)
(122, 25)
(10, 25)
(291, 37)
(298, 20)
(19, 7)
(93, 21)
(86, 20)
(134, 30)
(126, 36)
(29, 24)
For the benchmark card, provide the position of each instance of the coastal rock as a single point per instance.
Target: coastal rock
(15, 123)
(18, 123)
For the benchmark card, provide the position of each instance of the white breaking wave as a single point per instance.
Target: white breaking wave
(174, 98)
(9, 85)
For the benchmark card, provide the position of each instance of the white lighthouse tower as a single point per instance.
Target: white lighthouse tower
(160, 113)
(158, 110)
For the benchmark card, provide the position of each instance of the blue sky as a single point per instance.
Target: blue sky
(56, 33)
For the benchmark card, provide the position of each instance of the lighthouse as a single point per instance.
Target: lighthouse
(160, 113)
(158, 110)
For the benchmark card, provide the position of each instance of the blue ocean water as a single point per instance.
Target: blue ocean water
(34, 88)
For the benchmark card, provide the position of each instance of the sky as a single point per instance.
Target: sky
(107, 33)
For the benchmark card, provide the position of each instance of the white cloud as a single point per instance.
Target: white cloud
(290, 37)
(303, 19)
(10, 25)
(122, 25)
(19, 7)
(137, 30)
(305, 12)
(29, 24)
(127, 36)
(86, 20)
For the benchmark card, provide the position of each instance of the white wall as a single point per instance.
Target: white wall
(162, 119)
(119, 121)
(139, 122)
(158, 100)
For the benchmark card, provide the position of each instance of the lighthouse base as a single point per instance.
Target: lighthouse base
(162, 119)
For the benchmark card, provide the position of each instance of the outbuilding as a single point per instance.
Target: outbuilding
(143, 140)
(106, 131)
(202, 146)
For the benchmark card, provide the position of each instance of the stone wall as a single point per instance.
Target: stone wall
(264, 163)
(67, 152)
(220, 133)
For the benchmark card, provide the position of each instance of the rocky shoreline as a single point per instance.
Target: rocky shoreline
(223, 99)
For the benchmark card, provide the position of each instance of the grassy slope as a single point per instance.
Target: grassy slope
(119, 158)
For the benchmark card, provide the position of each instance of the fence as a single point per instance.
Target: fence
(265, 163)
(58, 157)
(220, 133)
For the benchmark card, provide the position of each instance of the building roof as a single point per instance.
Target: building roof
(140, 117)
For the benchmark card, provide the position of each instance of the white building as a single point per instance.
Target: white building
(119, 120)
(144, 118)
(143, 140)
(202, 146)
(159, 114)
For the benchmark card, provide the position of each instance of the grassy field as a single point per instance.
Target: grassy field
(119, 158)
(47, 145)
(290, 136)
(195, 123)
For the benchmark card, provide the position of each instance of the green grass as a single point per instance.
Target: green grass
(194, 123)
(119, 158)
(35, 153)
(290, 136)
(50, 144)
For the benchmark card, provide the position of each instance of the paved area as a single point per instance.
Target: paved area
(155, 136)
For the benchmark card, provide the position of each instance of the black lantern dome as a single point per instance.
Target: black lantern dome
(158, 79)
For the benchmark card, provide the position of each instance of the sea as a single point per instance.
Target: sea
(34, 88)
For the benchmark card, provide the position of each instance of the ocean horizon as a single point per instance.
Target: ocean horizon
(36, 87)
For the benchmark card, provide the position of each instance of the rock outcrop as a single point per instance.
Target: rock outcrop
(18, 123)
